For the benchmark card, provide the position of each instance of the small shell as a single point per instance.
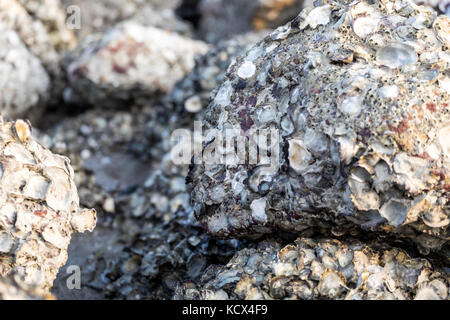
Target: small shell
(193, 104)
(396, 55)
(246, 70)
(259, 210)
(442, 27)
(23, 130)
(365, 26)
(299, 157)
(318, 16)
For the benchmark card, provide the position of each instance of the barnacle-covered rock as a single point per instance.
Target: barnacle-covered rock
(39, 207)
(192, 92)
(222, 19)
(131, 62)
(357, 95)
(321, 269)
(24, 82)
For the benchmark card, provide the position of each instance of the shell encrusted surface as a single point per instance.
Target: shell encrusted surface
(310, 269)
(358, 92)
(39, 207)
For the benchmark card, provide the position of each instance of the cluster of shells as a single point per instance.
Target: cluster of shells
(320, 269)
(39, 207)
(359, 94)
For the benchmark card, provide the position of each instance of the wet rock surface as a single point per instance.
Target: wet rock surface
(24, 81)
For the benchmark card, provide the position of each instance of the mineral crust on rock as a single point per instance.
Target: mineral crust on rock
(31, 31)
(358, 94)
(39, 207)
(320, 269)
(24, 82)
(131, 62)
(12, 287)
(222, 19)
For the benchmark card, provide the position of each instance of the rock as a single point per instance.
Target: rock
(39, 207)
(223, 19)
(321, 269)
(131, 62)
(41, 27)
(52, 15)
(347, 148)
(24, 82)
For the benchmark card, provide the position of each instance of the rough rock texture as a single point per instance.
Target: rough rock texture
(99, 16)
(24, 82)
(131, 62)
(321, 269)
(32, 32)
(222, 19)
(39, 207)
(193, 91)
(359, 96)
